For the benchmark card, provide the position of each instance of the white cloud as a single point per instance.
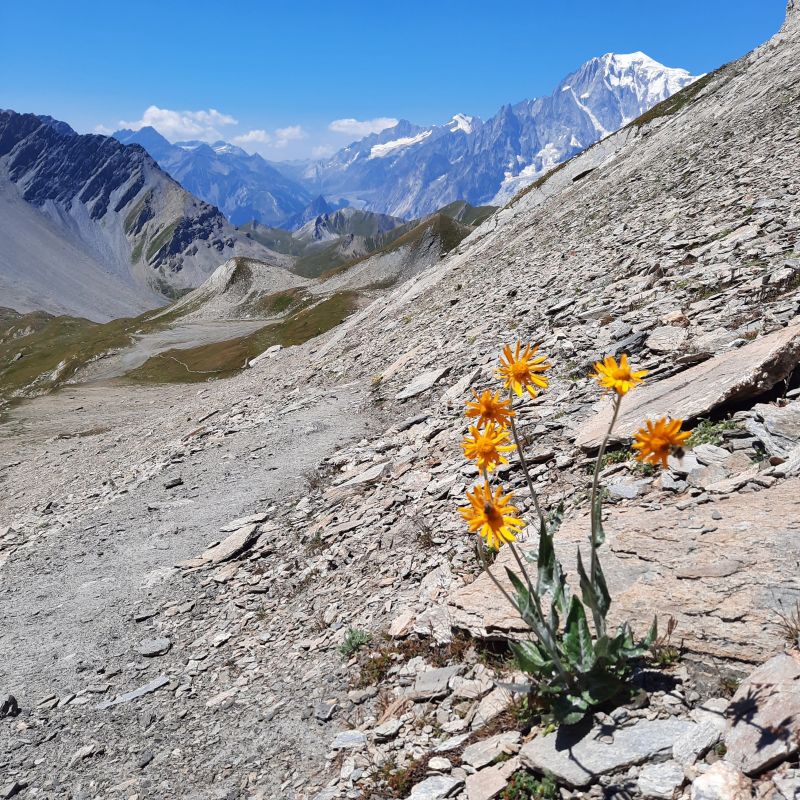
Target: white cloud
(258, 136)
(103, 129)
(290, 134)
(176, 125)
(364, 127)
(322, 151)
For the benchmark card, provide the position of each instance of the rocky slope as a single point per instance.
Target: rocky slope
(95, 228)
(410, 171)
(243, 186)
(675, 241)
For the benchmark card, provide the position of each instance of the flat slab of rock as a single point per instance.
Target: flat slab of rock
(486, 784)
(420, 384)
(765, 716)
(349, 740)
(433, 683)
(580, 761)
(150, 648)
(487, 751)
(738, 374)
(436, 788)
(724, 607)
(661, 780)
(228, 548)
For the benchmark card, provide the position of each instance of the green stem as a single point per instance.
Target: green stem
(525, 466)
(550, 645)
(596, 476)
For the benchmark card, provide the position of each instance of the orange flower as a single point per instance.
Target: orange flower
(486, 447)
(492, 516)
(488, 407)
(521, 369)
(658, 439)
(620, 378)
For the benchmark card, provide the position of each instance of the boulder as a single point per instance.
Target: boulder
(744, 548)
(726, 378)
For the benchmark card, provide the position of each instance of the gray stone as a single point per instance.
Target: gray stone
(765, 716)
(661, 780)
(421, 383)
(228, 548)
(579, 761)
(433, 683)
(623, 491)
(154, 647)
(148, 688)
(697, 742)
(349, 740)
(788, 785)
(324, 711)
(440, 764)
(666, 338)
(367, 476)
(486, 784)
(387, 730)
(722, 782)
(487, 751)
(726, 378)
(778, 427)
(436, 787)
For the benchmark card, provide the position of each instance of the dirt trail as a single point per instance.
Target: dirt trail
(180, 336)
(68, 598)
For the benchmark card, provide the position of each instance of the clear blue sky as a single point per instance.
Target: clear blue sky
(284, 71)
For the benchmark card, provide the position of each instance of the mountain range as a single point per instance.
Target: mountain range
(409, 170)
(243, 186)
(93, 227)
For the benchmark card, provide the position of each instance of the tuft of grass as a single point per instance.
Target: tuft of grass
(789, 624)
(614, 457)
(525, 786)
(354, 640)
(708, 432)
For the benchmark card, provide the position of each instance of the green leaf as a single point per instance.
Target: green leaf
(532, 659)
(569, 709)
(578, 638)
(652, 634)
(556, 519)
(590, 597)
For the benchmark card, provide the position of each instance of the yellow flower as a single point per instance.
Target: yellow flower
(520, 369)
(488, 407)
(617, 377)
(492, 516)
(486, 447)
(658, 439)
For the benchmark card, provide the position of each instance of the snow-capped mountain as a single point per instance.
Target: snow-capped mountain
(244, 187)
(409, 170)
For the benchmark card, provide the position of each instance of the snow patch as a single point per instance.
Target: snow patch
(381, 150)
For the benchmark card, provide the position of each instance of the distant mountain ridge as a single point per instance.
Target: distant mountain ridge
(410, 170)
(243, 186)
(93, 227)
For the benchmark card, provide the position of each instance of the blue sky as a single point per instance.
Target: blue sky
(292, 79)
